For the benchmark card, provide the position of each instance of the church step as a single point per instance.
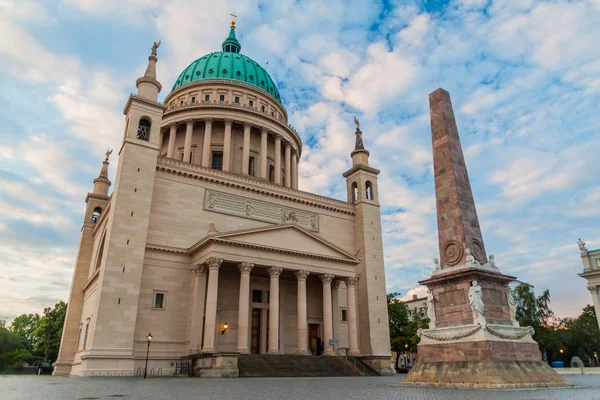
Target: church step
(268, 365)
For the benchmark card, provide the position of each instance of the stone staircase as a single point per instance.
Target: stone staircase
(269, 365)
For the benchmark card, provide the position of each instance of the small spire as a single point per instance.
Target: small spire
(360, 155)
(147, 85)
(231, 44)
(101, 183)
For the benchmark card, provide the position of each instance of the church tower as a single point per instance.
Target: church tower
(95, 204)
(361, 181)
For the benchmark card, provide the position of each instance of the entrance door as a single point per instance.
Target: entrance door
(313, 335)
(255, 341)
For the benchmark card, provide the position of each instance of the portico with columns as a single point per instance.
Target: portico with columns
(273, 312)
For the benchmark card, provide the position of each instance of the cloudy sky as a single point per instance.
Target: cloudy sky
(524, 77)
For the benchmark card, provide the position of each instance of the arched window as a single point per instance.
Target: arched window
(100, 252)
(369, 190)
(143, 132)
(355, 191)
(96, 214)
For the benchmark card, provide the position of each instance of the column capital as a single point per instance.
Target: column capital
(274, 271)
(337, 283)
(278, 136)
(264, 129)
(199, 269)
(189, 121)
(326, 278)
(592, 289)
(351, 280)
(247, 125)
(208, 120)
(287, 144)
(214, 263)
(301, 274)
(173, 125)
(245, 267)
(228, 121)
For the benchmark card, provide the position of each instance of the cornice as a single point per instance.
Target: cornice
(361, 167)
(142, 100)
(251, 184)
(464, 274)
(166, 249)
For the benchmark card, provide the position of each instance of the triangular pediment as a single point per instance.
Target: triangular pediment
(285, 237)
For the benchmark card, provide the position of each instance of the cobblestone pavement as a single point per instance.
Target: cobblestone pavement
(376, 388)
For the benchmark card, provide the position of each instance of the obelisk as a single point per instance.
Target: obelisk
(473, 340)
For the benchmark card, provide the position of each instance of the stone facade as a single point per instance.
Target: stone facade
(207, 244)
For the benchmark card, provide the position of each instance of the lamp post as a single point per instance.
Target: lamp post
(149, 339)
(406, 360)
(596, 358)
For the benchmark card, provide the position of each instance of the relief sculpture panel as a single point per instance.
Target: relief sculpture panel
(240, 206)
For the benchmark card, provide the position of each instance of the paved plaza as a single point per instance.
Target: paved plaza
(388, 388)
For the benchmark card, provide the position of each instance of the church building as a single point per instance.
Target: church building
(206, 246)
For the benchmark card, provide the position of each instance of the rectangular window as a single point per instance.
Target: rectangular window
(344, 315)
(251, 103)
(598, 262)
(251, 164)
(159, 300)
(271, 173)
(262, 108)
(207, 97)
(217, 161)
(222, 97)
(193, 100)
(237, 99)
(257, 296)
(181, 103)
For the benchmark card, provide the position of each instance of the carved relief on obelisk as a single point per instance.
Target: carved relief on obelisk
(458, 226)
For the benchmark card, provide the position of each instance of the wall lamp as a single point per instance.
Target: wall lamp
(225, 327)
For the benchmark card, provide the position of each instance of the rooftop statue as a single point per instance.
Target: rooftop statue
(154, 47)
(581, 244)
(357, 123)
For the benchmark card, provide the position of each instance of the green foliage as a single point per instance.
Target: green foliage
(23, 326)
(48, 333)
(12, 349)
(403, 330)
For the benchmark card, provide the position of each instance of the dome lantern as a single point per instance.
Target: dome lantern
(231, 44)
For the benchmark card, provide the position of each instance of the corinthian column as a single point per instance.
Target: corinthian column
(206, 144)
(278, 159)
(198, 295)
(352, 328)
(288, 164)
(294, 169)
(244, 306)
(227, 145)
(274, 272)
(302, 334)
(264, 135)
(327, 314)
(172, 138)
(246, 149)
(210, 323)
(187, 147)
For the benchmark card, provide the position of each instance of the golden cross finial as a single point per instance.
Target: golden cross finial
(108, 153)
(234, 16)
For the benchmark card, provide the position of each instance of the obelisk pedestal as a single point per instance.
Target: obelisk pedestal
(475, 341)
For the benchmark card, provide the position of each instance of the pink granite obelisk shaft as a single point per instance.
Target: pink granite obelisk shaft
(458, 226)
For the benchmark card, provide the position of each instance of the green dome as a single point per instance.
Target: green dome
(228, 64)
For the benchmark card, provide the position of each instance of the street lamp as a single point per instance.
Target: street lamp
(149, 339)
(596, 357)
(406, 360)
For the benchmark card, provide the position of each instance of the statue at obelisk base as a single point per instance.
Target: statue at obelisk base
(475, 341)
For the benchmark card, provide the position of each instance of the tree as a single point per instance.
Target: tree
(398, 317)
(582, 336)
(12, 349)
(48, 333)
(23, 326)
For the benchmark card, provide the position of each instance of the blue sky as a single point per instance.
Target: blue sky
(524, 77)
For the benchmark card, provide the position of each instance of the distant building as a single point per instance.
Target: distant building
(418, 305)
(591, 273)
